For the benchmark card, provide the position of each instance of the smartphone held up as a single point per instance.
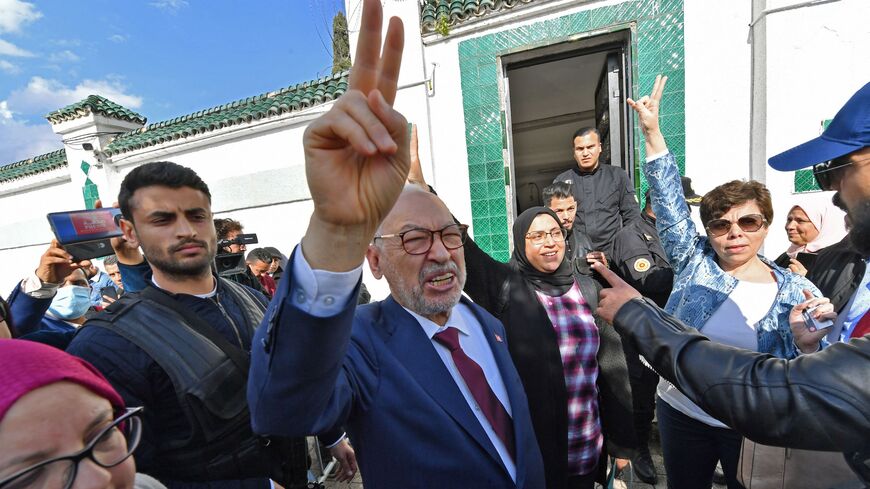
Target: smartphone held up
(87, 233)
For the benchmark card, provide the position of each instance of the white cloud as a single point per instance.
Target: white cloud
(9, 49)
(65, 56)
(171, 6)
(117, 38)
(9, 68)
(19, 140)
(46, 95)
(14, 14)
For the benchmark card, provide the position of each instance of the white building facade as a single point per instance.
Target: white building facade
(496, 88)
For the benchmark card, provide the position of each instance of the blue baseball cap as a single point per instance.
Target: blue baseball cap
(849, 131)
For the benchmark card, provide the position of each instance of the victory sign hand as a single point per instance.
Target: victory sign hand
(647, 109)
(356, 155)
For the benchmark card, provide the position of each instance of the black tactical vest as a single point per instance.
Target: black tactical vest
(210, 380)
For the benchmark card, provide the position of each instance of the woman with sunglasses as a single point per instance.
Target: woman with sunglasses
(62, 425)
(722, 287)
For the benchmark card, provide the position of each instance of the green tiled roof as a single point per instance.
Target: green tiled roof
(289, 99)
(32, 166)
(94, 104)
(458, 11)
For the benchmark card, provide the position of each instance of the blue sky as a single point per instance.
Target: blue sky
(161, 58)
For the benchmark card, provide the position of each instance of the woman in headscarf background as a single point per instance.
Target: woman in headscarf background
(62, 425)
(812, 224)
(571, 364)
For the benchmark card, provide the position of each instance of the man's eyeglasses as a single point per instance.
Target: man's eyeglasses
(830, 172)
(749, 223)
(114, 444)
(538, 238)
(418, 241)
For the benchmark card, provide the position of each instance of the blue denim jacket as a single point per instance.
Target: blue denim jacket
(700, 285)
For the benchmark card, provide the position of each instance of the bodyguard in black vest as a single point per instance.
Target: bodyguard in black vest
(181, 346)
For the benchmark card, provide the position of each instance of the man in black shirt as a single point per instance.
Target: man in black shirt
(604, 195)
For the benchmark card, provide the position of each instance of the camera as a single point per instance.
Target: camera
(814, 324)
(232, 263)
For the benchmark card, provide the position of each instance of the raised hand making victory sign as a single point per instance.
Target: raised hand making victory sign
(647, 109)
(356, 155)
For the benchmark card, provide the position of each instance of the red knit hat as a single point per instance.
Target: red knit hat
(26, 366)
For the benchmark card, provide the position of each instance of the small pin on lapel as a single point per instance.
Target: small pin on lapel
(498, 338)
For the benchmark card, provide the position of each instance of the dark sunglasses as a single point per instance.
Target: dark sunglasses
(830, 172)
(749, 223)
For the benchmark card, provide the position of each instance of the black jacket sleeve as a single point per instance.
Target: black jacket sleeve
(628, 206)
(486, 278)
(815, 402)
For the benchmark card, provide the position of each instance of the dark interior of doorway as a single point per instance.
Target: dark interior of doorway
(552, 96)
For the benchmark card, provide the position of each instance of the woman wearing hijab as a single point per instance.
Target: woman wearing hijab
(571, 364)
(811, 225)
(62, 425)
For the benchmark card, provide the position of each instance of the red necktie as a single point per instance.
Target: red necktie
(492, 408)
(863, 326)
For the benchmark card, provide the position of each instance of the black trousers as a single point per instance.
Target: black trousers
(692, 448)
(643, 381)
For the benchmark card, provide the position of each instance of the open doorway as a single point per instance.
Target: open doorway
(551, 92)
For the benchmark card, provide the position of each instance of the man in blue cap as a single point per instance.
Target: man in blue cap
(819, 401)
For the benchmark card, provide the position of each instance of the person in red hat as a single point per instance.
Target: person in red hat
(62, 425)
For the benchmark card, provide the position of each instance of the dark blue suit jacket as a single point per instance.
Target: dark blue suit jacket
(374, 370)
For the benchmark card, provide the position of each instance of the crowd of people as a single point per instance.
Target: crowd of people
(210, 363)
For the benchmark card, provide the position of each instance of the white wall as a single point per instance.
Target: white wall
(817, 58)
(24, 230)
(717, 92)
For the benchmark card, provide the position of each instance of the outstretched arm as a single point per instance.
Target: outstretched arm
(673, 220)
(306, 373)
(816, 402)
(356, 155)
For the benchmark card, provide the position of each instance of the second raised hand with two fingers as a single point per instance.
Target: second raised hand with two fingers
(356, 155)
(647, 110)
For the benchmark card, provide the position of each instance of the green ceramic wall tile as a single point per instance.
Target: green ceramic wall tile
(493, 152)
(672, 103)
(479, 190)
(481, 225)
(602, 17)
(483, 240)
(578, 22)
(804, 181)
(495, 187)
(494, 170)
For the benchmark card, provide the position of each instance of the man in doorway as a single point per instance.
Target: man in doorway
(604, 195)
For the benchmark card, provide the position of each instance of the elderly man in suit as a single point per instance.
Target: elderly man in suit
(422, 381)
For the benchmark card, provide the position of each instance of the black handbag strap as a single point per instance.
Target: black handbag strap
(235, 354)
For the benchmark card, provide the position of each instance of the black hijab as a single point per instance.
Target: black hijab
(553, 284)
